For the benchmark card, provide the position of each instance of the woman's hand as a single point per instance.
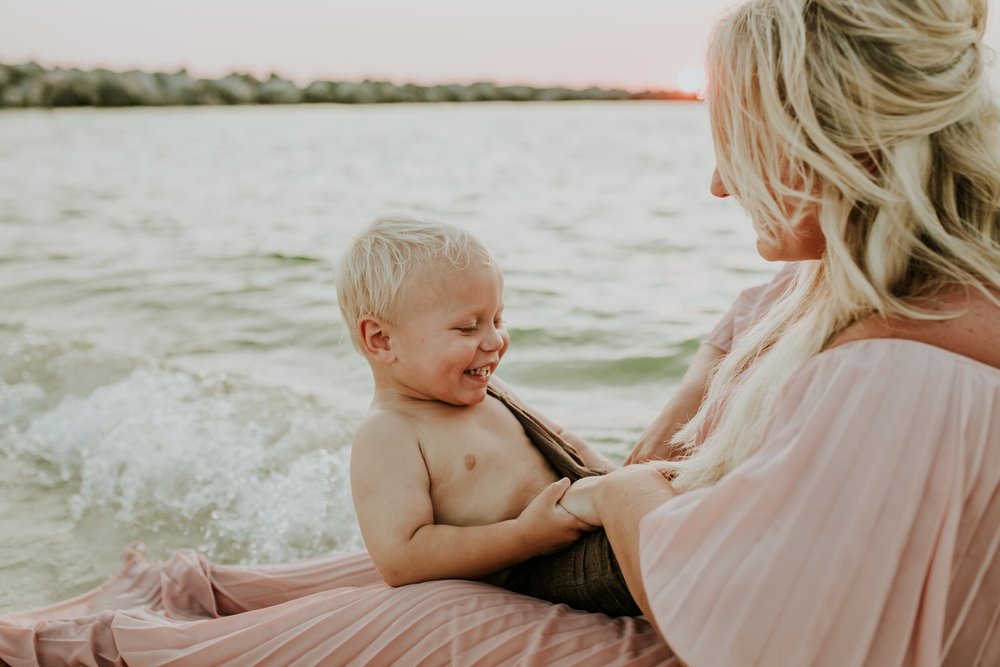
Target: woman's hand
(580, 500)
(587, 496)
(547, 527)
(654, 444)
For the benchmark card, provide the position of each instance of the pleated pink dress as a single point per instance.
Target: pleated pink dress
(866, 531)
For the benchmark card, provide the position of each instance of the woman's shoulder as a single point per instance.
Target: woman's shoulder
(881, 364)
(888, 387)
(974, 333)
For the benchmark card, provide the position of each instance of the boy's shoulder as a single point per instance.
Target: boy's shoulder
(385, 426)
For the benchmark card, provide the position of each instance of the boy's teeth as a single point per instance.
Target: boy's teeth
(482, 372)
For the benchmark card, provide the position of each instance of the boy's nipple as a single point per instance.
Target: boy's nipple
(470, 461)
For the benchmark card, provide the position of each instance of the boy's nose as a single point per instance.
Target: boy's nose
(492, 340)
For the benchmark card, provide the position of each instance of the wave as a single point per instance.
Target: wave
(600, 371)
(249, 473)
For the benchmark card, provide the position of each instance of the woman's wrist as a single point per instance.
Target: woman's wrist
(579, 499)
(616, 485)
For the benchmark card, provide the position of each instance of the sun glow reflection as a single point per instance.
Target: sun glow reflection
(691, 80)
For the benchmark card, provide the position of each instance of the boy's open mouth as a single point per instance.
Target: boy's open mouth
(480, 372)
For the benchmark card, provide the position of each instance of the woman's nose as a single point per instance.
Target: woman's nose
(718, 188)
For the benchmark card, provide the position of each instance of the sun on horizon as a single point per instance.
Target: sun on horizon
(691, 80)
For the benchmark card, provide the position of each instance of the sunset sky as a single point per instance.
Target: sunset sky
(627, 43)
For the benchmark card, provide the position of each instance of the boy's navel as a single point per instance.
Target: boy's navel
(470, 461)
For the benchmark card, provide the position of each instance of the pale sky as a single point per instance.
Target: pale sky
(626, 43)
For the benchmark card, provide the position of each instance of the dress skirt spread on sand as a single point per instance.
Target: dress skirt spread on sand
(865, 531)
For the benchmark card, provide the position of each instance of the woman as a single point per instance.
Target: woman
(838, 497)
(841, 503)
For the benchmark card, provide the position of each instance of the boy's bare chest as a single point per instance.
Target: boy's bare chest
(482, 466)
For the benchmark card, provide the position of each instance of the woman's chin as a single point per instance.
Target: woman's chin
(767, 250)
(775, 252)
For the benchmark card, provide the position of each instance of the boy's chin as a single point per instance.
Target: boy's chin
(469, 399)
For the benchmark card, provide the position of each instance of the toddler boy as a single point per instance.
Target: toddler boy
(452, 477)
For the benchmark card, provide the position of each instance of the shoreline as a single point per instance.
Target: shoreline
(29, 85)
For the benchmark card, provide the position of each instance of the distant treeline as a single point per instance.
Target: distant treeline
(31, 85)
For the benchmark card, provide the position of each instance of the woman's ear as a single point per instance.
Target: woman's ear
(375, 340)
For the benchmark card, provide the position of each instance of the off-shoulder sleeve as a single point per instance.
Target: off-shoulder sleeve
(821, 548)
(749, 306)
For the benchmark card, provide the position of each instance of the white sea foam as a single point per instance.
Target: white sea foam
(250, 473)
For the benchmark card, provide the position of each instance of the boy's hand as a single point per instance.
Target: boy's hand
(546, 525)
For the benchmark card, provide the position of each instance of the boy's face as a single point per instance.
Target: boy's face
(448, 335)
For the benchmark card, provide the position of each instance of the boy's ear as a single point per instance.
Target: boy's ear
(375, 340)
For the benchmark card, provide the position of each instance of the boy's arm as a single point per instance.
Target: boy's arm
(391, 490)
(591, 457)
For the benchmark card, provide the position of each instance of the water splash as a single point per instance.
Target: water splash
(249, 473)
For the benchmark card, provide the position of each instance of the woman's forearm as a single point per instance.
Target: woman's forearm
(654, 443)
(621, 501)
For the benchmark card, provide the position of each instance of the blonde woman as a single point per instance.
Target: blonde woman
(835, 498)
(834, 493)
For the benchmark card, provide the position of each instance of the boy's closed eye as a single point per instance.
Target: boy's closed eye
(473, 328)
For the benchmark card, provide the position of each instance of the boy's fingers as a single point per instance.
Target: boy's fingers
(556, 489)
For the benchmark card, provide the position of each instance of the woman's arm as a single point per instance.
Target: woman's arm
(751, 303)
(618, 501)
(655, 441)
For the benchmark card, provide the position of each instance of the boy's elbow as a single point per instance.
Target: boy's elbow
(394, 572)
(397, 578)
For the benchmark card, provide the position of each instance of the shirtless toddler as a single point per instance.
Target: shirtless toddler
(445, 480)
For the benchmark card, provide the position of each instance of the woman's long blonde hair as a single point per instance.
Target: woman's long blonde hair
(877, 117)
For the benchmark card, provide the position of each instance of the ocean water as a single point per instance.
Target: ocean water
(173, 368)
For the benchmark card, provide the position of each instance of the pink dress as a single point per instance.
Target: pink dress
(866, 531)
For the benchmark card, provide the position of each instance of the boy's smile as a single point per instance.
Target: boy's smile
(447, 336)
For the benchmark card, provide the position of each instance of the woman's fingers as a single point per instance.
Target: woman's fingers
(648, 450)
(579, 501)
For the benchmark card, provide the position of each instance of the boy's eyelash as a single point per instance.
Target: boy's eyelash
(499, 322)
